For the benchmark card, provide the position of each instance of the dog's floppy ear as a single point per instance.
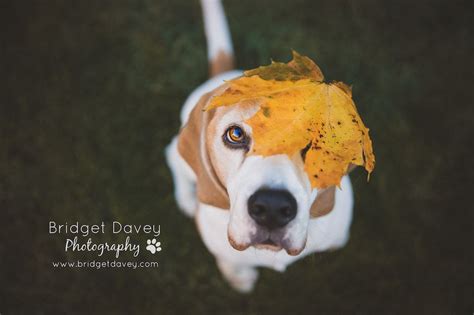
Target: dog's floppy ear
(192, 147)
(325, 199)
(324, 202)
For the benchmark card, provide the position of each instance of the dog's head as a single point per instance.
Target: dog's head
(270, 198)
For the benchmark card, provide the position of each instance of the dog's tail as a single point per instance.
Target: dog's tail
(220, 53)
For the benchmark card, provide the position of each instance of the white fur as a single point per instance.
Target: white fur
(216, 28)
(207, 86)
(183, 178)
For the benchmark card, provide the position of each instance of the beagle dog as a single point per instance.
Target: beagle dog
(251, 211)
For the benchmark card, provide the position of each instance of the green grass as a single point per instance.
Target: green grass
(91, 94)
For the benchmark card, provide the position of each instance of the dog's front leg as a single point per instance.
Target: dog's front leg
(241, 278)
(184, 179)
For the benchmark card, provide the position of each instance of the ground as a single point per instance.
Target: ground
(90, 96)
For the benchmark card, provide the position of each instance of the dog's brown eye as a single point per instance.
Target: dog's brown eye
(235, 137)
(235, 134)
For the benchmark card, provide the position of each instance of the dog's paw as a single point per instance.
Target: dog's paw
(153, 246)
(241, 279)
(245, 280)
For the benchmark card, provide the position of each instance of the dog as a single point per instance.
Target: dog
(251, 211)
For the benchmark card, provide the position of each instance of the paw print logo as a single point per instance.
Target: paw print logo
(153, 246)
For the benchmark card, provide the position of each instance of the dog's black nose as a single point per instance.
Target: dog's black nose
(272, 208)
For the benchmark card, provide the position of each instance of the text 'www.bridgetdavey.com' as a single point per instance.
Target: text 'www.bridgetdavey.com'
(105, 264)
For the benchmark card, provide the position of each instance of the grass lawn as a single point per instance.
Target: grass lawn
(91, 95)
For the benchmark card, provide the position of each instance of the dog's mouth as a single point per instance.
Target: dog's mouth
(269, 242)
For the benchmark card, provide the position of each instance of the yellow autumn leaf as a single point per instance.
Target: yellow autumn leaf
(303, 114)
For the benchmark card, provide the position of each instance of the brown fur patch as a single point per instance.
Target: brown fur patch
(192, 147)
(221, 63)
(235, 245)
(325, 199)
(324, 202)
